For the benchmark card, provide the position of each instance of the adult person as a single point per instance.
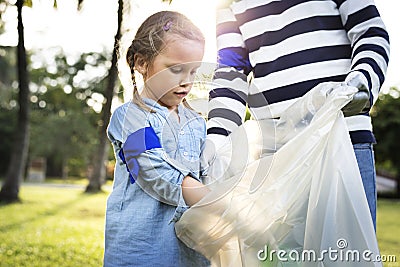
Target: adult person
(289, 47)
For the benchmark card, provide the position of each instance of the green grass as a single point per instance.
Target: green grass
(71, 181)
(388, 229)
(64, 227)
(53, 227)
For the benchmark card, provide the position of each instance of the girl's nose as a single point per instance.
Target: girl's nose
(187, 80)
(185, 83)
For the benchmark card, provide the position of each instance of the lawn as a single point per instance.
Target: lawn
(53, 227)
(388, 230)
(63, 227)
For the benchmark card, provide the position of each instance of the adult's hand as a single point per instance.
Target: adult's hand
(361, 99)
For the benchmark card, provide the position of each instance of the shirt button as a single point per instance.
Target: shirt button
(185, 153)
(182, 132)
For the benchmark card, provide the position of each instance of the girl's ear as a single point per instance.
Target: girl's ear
(140, 64)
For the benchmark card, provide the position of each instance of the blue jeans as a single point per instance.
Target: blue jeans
(365, 159)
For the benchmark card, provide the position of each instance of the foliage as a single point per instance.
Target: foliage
(386, 122)
(7, 73)
(3, 7)
(63, 119)
(67, 228)
(98, 173)
(66, 96)
(8, 114)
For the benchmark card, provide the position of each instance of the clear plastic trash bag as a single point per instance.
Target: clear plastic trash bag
(286, 192)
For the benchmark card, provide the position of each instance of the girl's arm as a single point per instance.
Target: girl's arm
(160, 176)
(193, 190)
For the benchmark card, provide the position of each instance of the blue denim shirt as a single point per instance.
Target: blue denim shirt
(139, 216)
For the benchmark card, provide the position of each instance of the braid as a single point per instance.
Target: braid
(130, 58)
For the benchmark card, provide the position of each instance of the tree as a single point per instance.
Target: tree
(99, 169)
(16, 168)
(10, 189)
(66, 93)
(8, 112)
(386, 122)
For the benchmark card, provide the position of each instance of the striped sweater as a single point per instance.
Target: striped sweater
(288, 47)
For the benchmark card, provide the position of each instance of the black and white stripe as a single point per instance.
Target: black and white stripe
(290, 47)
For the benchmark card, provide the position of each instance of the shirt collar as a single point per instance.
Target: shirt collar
(157, 107)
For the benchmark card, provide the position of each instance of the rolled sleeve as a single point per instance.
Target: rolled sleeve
(150, 167)
(159, 178)
(162, 179)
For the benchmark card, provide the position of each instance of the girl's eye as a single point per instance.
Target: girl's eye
(176, 70)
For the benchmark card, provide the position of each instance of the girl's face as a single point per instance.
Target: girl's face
(170, 77)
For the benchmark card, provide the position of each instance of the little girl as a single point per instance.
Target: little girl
(157, 140)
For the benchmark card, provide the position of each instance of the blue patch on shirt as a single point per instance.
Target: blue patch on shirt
(137, 143)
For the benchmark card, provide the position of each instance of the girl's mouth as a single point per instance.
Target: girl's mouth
(181, 94)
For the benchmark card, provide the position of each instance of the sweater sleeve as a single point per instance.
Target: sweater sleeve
(228, 99)
(369, 40)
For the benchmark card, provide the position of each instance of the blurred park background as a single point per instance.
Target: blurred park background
(59, 83)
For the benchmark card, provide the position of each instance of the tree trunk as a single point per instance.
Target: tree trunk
(65, 170)
(16, 168)
(398, 185)
(99, 166)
